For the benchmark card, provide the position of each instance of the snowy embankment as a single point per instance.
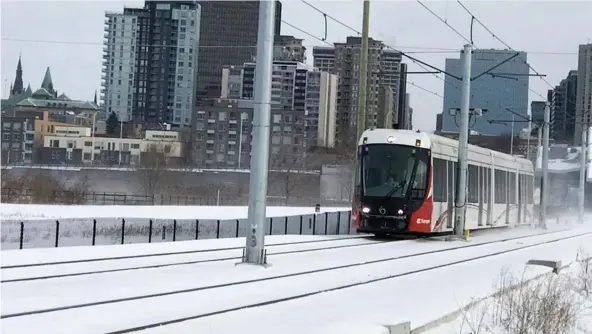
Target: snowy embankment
(416, 289)
(79, 224)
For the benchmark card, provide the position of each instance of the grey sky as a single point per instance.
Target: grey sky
(534, 26)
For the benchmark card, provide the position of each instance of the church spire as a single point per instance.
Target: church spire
(18, 88)
(47, 82)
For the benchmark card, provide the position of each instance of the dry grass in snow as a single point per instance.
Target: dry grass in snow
(556, 304)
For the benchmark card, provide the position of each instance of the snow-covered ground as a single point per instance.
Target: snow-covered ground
(419, 297)
(76, 223)
(484, 315)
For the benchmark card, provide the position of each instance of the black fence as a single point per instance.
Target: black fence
(110, 231)
(31, 196)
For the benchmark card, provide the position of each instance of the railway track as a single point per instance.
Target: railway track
(138, 256)
(19, 273)
(341, 287)
(220, 257)
(386, 263)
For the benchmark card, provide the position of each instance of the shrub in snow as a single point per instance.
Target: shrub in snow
(556, 304)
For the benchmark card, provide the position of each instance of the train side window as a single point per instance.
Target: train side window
(500, 186)
(512, 188)
(473, 193)
(486, 184)
(529, 189)
(439, 180)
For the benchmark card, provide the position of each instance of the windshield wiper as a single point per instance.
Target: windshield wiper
(392, 191)
(412, 179)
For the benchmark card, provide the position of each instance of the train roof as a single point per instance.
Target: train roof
(429, 140)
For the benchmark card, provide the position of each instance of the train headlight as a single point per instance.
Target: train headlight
(365, 209)
(400, 212)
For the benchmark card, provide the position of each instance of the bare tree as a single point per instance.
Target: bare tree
(285, 178)
(152, 173)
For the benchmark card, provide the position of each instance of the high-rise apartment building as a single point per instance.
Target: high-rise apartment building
(563, 107)
(584, 90)
(150, 63)
(295, 86)
(492, 92)
(223, 135)
(228, 36)
(384, 68)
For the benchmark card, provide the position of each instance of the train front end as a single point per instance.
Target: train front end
(392, 185)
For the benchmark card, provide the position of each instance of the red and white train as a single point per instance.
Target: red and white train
(405, 183)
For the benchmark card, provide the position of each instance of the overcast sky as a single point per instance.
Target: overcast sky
(549, 31)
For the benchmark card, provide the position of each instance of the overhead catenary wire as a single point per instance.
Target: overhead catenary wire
(445, 22)
(418, 62)
(572, 116)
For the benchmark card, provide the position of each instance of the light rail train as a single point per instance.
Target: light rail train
(405, 184)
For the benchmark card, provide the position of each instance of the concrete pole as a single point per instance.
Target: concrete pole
(361, 120)
(463, 144)
(255, 245)
(545, 167)
(583, 160)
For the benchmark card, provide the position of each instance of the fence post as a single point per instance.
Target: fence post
(150, 231)
(163, 232)
(196, 229)
(270, 225)
(326, 221)
(57, 238)
(338, 222)
(237, 227)
(300, 225)
(218, 229)
(314, 224)
(286, 225)
(22, 235)
(122, 230)
(174, 230)
(94, 237)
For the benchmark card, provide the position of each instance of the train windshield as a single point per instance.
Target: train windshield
(394, 171)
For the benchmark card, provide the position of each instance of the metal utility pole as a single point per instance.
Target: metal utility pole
(361, 121)
(545, 167)
(255, 245)
(463, 144)
(583, 161)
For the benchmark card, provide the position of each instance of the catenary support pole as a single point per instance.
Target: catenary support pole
(255, 246)
(361, 120)
(545, 167)
(583, 160)
(463, 144)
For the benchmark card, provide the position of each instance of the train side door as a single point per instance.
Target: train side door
(451, 166)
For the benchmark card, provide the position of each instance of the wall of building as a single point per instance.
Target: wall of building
(487, 92)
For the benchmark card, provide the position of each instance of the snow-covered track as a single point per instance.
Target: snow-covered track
(205, 250)
(22, 274)
(341, 277)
